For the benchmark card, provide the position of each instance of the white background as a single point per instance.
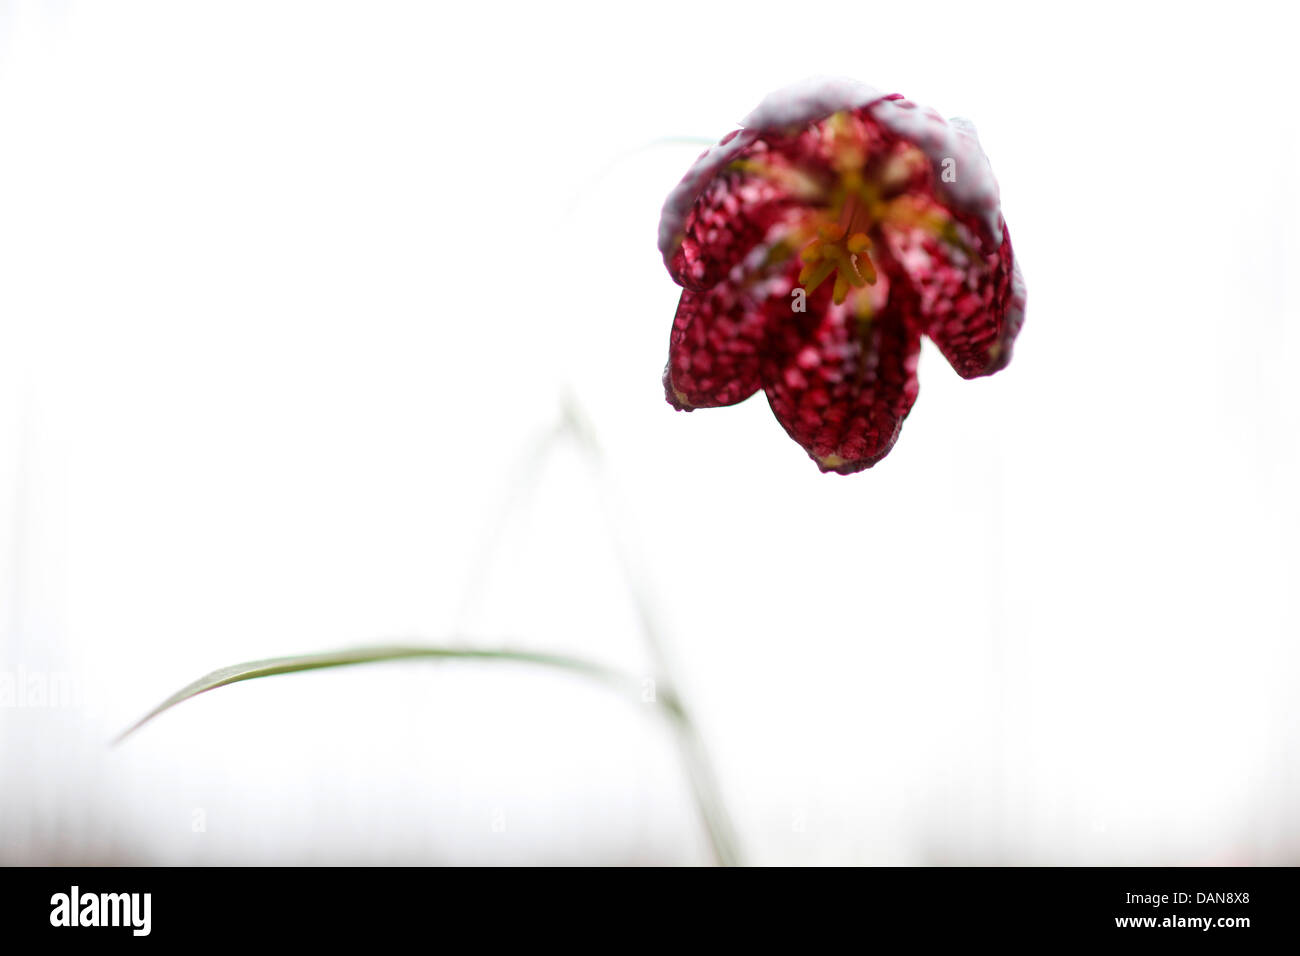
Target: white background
(289, 291)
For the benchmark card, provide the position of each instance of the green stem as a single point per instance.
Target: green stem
(699, 768)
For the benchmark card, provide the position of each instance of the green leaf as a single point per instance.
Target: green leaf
(369, 655)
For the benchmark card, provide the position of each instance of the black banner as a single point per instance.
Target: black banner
(1181, 906)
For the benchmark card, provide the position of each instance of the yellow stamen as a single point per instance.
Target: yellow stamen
(814, 275)
(841, 250)
(865, 269)
(841, 291)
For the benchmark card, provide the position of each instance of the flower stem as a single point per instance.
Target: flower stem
(699, 768)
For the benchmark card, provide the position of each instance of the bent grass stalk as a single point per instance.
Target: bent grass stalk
(714, 816)
(272, 666)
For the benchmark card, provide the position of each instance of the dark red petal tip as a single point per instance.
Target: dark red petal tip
(715, 348)
(973, 314)
(843, 387)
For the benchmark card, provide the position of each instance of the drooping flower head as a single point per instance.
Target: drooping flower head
(816, 245)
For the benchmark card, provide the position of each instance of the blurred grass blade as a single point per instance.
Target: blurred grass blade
(369, 655)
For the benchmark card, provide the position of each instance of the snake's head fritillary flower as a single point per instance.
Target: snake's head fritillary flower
(816, 245)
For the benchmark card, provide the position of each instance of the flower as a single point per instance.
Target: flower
(816, 245)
